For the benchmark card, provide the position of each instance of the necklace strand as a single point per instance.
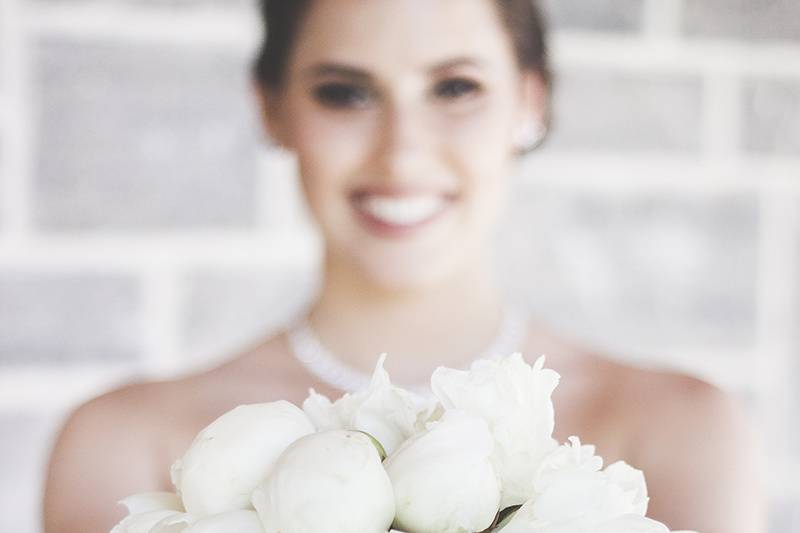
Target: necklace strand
(323, 364)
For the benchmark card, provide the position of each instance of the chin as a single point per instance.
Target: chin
(408, 273)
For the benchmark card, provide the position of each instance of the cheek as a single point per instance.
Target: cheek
(480, 147)
(329, 151)
(483, 137)
(327, 139)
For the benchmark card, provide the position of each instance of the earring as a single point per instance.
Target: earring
(274, 144)
(529, 135)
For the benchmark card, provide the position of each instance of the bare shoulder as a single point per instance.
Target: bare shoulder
(120, 414)
(105, 452)
(680, 408)
(697, 448)
(652, 391)
(693, 440)
(654, 398)
(122, 442)
(666, 408)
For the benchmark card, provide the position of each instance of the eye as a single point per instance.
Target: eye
(456, 87)
(341, 95)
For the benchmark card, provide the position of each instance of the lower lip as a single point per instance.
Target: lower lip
(384, 229)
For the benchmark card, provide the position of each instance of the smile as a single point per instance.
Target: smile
(398, 215)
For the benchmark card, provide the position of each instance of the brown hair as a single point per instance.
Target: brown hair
(282, 20)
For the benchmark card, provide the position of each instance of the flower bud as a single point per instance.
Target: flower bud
(331, 481)
(230, 457)
(514, 399)
(389, 413)
(443, 478)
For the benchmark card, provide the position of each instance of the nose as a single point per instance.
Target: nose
(404, 142)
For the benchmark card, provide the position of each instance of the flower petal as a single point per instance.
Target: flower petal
(153, 501)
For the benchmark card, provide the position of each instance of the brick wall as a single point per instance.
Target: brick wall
(144, 230)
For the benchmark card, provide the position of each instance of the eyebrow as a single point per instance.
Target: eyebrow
(326, 69)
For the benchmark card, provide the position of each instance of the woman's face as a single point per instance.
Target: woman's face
(401, 116)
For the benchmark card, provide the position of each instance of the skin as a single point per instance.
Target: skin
(447, 130)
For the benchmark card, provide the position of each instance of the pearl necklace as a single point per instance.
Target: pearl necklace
(320, 362)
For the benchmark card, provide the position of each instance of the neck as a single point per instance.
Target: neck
(448, 323)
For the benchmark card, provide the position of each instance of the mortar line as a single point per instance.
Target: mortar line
(777, 285)
(16, 197)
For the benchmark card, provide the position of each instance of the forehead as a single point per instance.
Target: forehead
(393, 34)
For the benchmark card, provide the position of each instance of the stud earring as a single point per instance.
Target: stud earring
(529, 135)
(274, 144)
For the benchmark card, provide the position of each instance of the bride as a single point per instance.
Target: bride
(406, 118)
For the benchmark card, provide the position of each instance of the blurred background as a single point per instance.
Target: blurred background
(146, 230)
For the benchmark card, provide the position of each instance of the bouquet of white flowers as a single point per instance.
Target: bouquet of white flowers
(477, 457)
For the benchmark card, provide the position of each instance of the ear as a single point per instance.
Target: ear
(270, 112)
(534, 98)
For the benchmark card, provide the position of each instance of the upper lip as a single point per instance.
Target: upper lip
(399, 191)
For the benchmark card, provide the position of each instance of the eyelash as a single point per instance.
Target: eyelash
(339, 95)
(470, 85)
(345, 95)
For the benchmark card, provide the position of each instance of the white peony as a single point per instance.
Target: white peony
(162, 512)
(485, 445)
(332, 481)
(230, 522)
(631, 524)
(146, 510)
(515, 400)
(574, 495)
(389, 413)
(231, 456)
(142, 522)
(177, 523)
(625, 524)
(443, 478)
(570, 485)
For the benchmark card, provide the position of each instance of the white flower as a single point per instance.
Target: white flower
(632, 483)
(631, 524)
(142, 522)
(146, 510)
(228, 522)
(443, 479)
(575, 495)
(332, 481)
(624, 524)
(389, 413)
(571, 485)
(570, 460)
(515, 400)
(231, 456)
(177, 523)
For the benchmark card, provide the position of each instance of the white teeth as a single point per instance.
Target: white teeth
(404, 211)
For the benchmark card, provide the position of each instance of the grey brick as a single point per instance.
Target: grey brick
(23, 456)
(189, 4)
(637, 273)
(743, 19)
(4, 23)
(225, 310)
(163, 4)
(142, 136)
(67, 319)
(606, 110)
(790, 385)
(785, 516)
(772, 117)
(4, 99)
(792, 407)
(605, 15)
